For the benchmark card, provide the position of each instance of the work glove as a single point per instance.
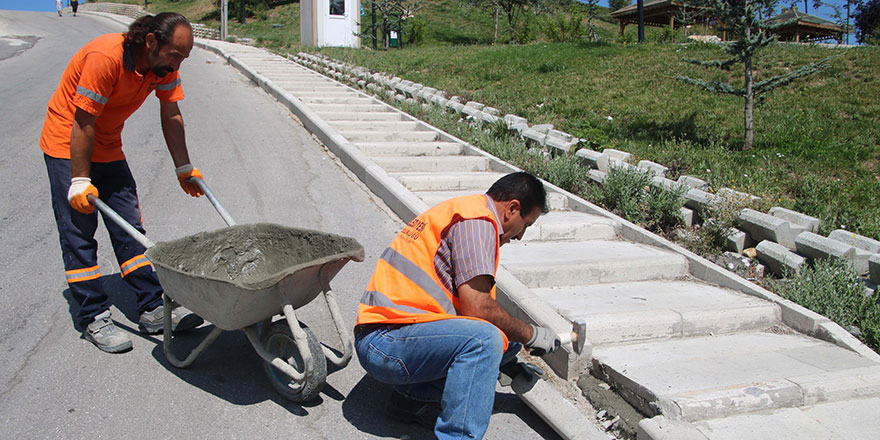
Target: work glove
(185, 172)
(543, 341)
(77, 195)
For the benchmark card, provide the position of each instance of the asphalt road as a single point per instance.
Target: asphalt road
(264, 167)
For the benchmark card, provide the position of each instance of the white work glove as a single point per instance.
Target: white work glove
(543, 341)
(77, 195)
(185, 172)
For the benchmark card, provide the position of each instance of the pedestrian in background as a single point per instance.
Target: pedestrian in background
(58, 6)
(104, 83)
(74, 5)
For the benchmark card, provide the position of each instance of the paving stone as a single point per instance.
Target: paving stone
(762, 226)
(622, 156)
(817, 247)
(535, 136)
(778, 258)
(736, 241)
(654, 168)
(856, 240)
(811, 224)
(693, 182)
(594, 159)
(699, 200)
(598, 176)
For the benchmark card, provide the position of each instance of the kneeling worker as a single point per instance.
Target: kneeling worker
(428, 322)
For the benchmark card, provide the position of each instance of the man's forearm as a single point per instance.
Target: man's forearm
(515, 329)
(175, 135)
(82, 142)
(475, 301)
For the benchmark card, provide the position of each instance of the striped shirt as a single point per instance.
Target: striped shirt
(467, 250)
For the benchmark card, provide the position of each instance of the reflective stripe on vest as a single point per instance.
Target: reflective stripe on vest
(80, 275)
(409, 269)
(134, 264)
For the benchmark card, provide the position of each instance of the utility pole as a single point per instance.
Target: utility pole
(224, 30)
(641, 7)
(375, 43)
(243, 12)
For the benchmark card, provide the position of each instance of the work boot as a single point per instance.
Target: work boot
(404, 409)
(153, 322)
(106, 336)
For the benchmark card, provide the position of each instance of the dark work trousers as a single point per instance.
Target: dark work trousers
(116, 188)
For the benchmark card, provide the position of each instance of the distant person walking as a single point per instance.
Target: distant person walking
(74, 5)
(58, 6)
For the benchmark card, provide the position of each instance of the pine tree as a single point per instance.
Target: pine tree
(740, 18)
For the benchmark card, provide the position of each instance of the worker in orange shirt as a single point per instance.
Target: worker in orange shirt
(104, 83)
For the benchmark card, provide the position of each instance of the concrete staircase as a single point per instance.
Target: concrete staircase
(699, 352)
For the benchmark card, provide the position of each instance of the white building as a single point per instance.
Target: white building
(330, 23)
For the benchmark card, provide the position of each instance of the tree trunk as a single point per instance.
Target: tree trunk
(243, 11)
(495, 37)
(749, 138)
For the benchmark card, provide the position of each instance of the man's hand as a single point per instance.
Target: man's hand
(185, 172)
(543, 341)
(77, 195)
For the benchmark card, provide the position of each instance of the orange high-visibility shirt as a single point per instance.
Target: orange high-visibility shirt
(100, 79)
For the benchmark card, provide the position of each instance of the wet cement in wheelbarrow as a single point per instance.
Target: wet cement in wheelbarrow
(248, 254)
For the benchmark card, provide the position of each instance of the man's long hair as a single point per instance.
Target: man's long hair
(521, 186)
(161, 25)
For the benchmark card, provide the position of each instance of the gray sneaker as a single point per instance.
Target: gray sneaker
(153, 322)
(106, 336)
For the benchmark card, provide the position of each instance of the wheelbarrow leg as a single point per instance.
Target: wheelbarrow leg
(166, 343)
(343, 330)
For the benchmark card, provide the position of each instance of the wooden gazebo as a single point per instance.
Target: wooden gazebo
(658, 13)
(801, 27)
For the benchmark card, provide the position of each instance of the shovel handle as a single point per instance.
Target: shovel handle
(116, 218)
(210, 195)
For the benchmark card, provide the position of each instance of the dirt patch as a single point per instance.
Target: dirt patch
(249, 254)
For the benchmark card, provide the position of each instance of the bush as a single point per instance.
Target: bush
(415, 31)
(828, 287)
(623, 192)
(562, 29)
(663, 208)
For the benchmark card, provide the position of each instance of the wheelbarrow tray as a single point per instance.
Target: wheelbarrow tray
(240, 275)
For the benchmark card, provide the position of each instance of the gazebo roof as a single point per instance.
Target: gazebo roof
(808, 27)
(802, 18)
(657, 12)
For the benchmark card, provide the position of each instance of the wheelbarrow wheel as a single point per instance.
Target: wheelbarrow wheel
(278, 340)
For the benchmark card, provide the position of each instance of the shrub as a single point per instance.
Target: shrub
(828, 287)
(562, 29)
(415, 31)
(663, 208)
(623, 192)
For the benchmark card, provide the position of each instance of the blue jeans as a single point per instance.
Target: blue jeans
(452, 361)
(76, 231)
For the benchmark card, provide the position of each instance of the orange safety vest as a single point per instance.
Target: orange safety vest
(405, 288)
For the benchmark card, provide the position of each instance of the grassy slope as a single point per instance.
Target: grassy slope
(818, 140)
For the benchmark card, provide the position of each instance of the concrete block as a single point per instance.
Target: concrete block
(693, 182)
(654, 168)
(856, 240)
(558, 145)
(542, 128)
(762, 226)
(455, 99)
(441, 101)
(874, 268)
(622, 156)
(362, 83)
(561, 135)
(699, 200)
(492, 111)
(598, 176)
(455, 106)
(817, 247)
(594, 159)
(489, 118)
(687, 216)
(735, 241)
(535, 136)
(470, 111)
(475, 105)
(811, 224)
(667, 184)
(778, 258)
(662, 428)
(514, 121)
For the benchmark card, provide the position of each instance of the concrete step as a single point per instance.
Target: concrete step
(436, 148)
(338, 93)
(581, 263)
(300, 86)
(718, 376)
(346, 126)
(571, 226)
(353, 100)
(362, 116)
(322, 108)
(644, 310)
(356, 136)
(432, 164)
(476, 182)
(844, 420)
(555, 201)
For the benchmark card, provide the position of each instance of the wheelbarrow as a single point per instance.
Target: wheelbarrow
(241, 277)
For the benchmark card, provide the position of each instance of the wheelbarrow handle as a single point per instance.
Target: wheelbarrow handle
(210, 195)
(116, 218)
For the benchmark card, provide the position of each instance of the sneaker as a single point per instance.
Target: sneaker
(153, 322)
(106, 336)
(406, 410)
